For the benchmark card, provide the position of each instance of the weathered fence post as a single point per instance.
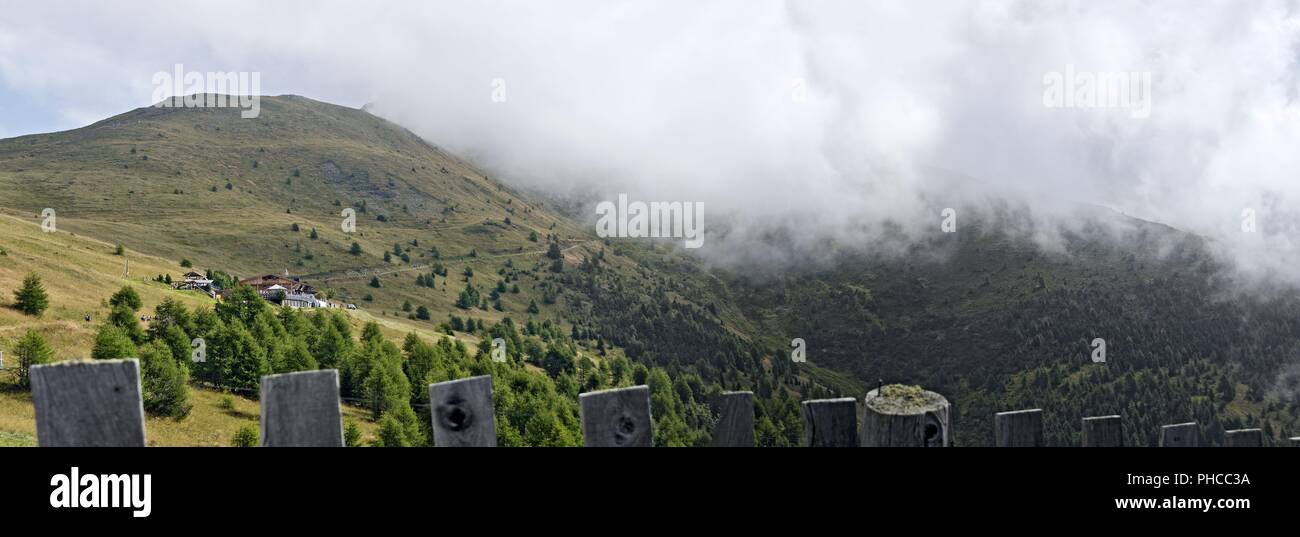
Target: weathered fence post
(830, 422)
(302, 410)
(1019, 428)
(1102, 431)
(616, 418)
(1180, 435)
(905, 416)
(735, 411)
(88, 404)
(1244, 438)
(462, 413)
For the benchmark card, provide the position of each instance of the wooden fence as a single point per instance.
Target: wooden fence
(99, 404)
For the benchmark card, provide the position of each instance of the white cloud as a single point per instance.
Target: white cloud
(693, 101)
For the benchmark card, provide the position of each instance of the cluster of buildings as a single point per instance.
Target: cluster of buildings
(194, 281)
(290, 292)
(281, 290)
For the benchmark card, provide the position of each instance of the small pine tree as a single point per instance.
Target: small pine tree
(468, 298)
(186, 263)
(31, 297)
(294, 227)
(356, 249)
(313, 235)
(164, 382)
(351, 434)
(374, 282)
(112, 343)
(532, 307)
(126, 296)
(31, 350)
(422, 313)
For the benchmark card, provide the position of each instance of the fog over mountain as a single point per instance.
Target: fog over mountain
(811, 120)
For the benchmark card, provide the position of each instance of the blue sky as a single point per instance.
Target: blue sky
(22, 113)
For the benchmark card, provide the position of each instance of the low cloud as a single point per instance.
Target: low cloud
(813, 121)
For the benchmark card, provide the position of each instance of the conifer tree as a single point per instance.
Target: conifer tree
(31, 297)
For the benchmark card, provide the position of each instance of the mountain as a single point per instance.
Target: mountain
(989, 317)
(221, 191)
(251, 197)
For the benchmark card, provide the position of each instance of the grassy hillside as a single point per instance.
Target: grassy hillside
(247, 196)
(225, 192)
(79, 273)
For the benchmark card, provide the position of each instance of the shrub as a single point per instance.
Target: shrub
(246, 436)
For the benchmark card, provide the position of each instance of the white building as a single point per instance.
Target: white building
(300, 300)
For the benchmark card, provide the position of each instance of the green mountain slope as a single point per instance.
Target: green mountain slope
(245, 196)
(989, 319)
(997, 323)
(225, 192)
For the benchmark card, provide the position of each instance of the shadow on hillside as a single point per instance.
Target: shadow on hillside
(236, 413)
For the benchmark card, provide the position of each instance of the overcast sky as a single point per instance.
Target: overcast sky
(829, 113)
